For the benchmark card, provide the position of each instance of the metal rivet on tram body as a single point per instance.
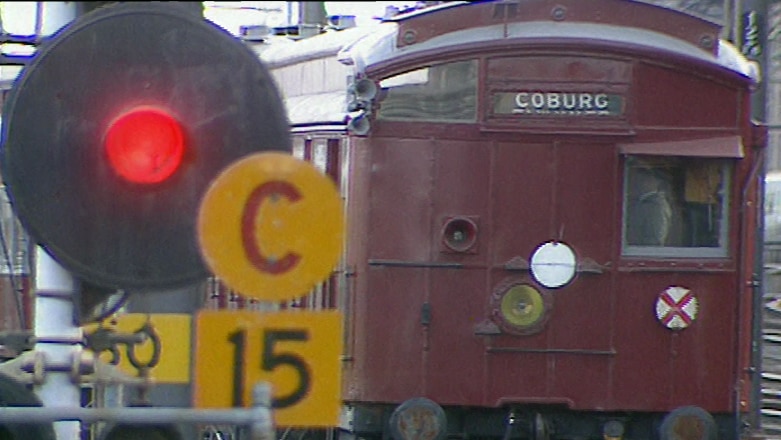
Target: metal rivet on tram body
(706, 41)
(409, 37)
(559, 13)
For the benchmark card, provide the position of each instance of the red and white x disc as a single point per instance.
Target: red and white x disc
(676, 308)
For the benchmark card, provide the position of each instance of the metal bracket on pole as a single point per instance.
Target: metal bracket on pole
(7, 59)
(258, 418)
(30, 368)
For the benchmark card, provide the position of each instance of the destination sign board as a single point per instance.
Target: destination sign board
(555, 103)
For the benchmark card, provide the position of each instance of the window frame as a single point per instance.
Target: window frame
(683, 252)
(385, 91)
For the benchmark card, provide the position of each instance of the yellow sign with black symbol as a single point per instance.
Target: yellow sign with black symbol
(271, 226)
(297, 352)
(159, 343)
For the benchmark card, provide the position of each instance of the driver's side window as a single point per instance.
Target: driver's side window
(675, 206)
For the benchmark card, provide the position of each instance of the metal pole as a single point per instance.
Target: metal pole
(136, 415)
(54, 324)
(258, 418)
(753, 23)
(751, 28)
(54, 287)
(312, 18)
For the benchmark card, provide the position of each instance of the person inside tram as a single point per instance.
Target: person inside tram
(650, 211)
(675, 202)
(701, 193)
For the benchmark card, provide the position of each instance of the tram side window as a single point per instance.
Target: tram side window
(441, 93)
(676, 206)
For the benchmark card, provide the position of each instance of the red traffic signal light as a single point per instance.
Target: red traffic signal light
(112, 134)
(145, 145)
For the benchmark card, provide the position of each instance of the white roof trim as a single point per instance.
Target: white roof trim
(381, 45)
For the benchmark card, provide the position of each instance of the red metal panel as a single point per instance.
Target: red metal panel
(665, 368)
(513, 378)
(389, 295)
(698, 32)
(585, 378)
(642, 337)
(355, 279)
(391, 357)
(521, 193)
(466, 180)
(602, 323)
(586, 188)
(670, 98)
(559, 68)
(570, 198)
(400, 204)
(461, 186)
(587, 183)
(455, 357)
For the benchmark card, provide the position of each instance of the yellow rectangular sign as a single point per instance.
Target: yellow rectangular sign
(171, 334)
(297, 352)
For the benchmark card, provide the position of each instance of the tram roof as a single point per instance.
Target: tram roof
(368, 45)
(380, 46)
(360, 48)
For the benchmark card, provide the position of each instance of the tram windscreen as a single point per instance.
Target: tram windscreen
(441, 93)
(676, 206)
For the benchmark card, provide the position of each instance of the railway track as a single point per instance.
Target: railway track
(771, 352)
(771, 371)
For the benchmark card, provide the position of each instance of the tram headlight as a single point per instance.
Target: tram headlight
(519, 308)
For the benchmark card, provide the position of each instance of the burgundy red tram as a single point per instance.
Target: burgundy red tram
(551, 214)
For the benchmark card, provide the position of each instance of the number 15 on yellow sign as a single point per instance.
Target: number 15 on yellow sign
(296, 352)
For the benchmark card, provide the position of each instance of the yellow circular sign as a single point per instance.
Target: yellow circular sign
(271, 226)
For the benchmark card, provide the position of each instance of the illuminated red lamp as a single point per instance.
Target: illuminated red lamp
(145, 145)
